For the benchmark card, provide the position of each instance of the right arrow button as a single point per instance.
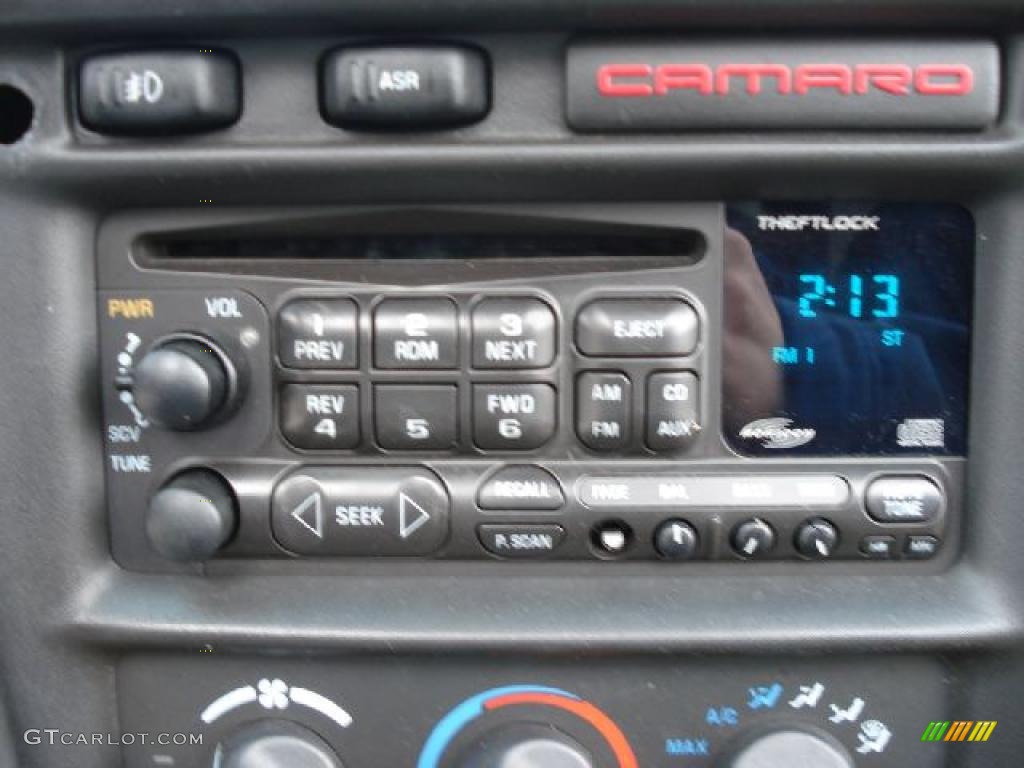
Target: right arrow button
(365, 511)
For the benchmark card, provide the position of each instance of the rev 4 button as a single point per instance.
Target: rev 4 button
(356, 511)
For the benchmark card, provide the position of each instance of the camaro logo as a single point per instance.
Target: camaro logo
(631, 80)
(777, 433)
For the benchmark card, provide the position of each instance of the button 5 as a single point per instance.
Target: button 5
(416, 417)
(416, 334)
(156, 92)
(513, 333)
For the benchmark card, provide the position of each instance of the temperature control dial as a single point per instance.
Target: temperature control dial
(790, 747)
(185, 383)
(525, 745)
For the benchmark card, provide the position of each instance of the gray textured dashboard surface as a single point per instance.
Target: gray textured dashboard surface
(67, 611)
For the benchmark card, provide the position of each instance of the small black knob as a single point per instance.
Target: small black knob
(817, 539)
(192, 516)
(525, 745)
(184, 383)
(275, 744)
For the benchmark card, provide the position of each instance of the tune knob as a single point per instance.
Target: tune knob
(184, 383)
(275, 744)
(525, 745)
(788, 748)
(192, 516)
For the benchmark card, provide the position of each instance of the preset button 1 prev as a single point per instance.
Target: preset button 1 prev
(361, 511)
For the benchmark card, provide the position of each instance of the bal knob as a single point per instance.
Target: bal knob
(525, 745)
(788, 748)
(192, 517)
(184, 383)
(275, 744)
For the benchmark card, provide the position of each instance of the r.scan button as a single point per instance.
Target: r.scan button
(521, 541)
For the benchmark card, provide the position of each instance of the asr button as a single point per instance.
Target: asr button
(405, 87)
(320, 416)
(521, 488)
(513, 333)
(416, 333)
(521, 541)
(637, 328)
(359, 511)
(318, 333)
(157, 92)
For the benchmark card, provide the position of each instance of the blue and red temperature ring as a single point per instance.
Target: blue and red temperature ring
(518, 695)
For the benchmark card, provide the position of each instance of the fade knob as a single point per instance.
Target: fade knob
(185, 383)
(192, 517)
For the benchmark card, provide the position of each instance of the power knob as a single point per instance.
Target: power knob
(790, 747)
(185, 383)
(275, 744)
(525, 745)
(192, 517)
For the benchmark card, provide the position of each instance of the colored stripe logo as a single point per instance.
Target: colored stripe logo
(959, 730)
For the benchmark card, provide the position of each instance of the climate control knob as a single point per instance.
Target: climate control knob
(788, 748)
(275, 744)
(525, 745)
(185, 383)
(192, 516)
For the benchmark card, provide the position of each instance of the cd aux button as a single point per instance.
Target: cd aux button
(637, 328)
(673, 410)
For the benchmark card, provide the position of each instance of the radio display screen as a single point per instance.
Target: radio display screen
(847, 328)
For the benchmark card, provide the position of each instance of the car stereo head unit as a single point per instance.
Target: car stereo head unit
(672, 382)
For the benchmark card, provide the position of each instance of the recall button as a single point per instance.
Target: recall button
(903, 499)
(521, 541)
(637, 328)
(521, 488)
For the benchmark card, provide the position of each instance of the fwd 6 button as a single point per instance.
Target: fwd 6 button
(357, 511)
